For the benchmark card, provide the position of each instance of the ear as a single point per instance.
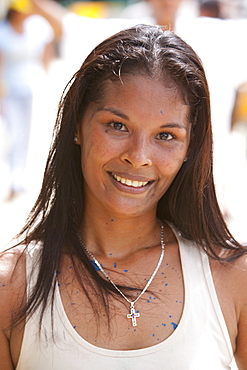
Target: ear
(77, 138)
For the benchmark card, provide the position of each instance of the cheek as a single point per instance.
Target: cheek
(171, 161)
(96, 151)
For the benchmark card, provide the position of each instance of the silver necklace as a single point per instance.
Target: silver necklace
(133, 314)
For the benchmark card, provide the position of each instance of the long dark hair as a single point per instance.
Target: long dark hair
(190, 203)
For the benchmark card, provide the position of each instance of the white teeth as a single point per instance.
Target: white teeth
(134, 184)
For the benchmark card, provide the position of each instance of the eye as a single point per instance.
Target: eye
(118, 126)
(165, 136)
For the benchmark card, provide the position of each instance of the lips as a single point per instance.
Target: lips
(129, 182)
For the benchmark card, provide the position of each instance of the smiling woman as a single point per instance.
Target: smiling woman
(144, 126)
(124, 254)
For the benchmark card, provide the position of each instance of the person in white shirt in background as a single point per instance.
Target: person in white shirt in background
(25, 52)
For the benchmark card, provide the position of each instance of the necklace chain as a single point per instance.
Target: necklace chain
(133, 314)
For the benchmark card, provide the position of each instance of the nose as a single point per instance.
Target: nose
(138, 153)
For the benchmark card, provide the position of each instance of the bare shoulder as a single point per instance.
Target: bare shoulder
(231, 285)
(12, 292)
(12, 279)
(239, 288)
(10, 260)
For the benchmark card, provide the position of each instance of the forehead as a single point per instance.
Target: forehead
(141, 99)
(137, 85)
(142, 92)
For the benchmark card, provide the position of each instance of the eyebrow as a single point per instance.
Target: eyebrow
(124, 116)
(114, 111)
(174, 125)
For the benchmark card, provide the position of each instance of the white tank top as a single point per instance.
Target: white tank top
(200, 341)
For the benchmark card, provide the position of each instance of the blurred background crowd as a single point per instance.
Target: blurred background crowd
(43, 42)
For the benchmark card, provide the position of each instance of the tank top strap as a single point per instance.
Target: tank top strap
(200, 291)
(33, 254)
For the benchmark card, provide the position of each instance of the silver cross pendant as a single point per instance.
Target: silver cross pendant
(133, 314)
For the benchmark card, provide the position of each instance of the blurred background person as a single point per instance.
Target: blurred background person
(162, 12)
(219, 42)
(25, 51)
(239, 117)
(210, 9)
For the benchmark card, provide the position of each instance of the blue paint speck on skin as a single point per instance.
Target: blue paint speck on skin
(126, 270)
(110, 254)
(95, 266)
(153, 335)
(3, 285)
(163, 324)
(74, 326)
(166, 284)
(161, 111)
(115, 264)
(58, 272)
(170, 315)
(174, 325)
(112, 220)
(58, 284)
(148, 301)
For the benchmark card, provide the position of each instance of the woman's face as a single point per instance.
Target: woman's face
(133, 143)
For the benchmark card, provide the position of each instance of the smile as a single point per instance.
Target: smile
(128, 182)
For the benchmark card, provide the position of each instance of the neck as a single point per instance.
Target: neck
(168, 22)
(17, 26)
(108, 235)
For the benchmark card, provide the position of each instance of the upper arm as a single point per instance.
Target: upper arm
(53, 12)
(48, 55)
(12, 290)
(239, 281)
(241, 341)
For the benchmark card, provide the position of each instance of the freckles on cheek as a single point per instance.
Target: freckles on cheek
(173, 166)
